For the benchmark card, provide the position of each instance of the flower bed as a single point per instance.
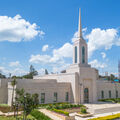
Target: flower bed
(109, 117)
(61, 112)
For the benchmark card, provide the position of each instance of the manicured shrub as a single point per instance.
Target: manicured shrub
(83, 110)
(39, 115)
(61, 112)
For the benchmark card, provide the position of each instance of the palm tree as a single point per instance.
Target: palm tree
(13, 83)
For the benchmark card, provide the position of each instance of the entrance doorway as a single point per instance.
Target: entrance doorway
(86, 95)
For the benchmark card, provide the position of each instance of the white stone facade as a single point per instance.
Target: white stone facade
(80, 83)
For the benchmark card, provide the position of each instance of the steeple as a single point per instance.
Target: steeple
(79, 25)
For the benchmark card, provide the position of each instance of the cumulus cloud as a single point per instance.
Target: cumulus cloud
(16, 71)
(58, 54)
(16, 29)
(103, 55)
(14, 64)
(96, 64)
(102, 39)
(75, 36)
(45, 48)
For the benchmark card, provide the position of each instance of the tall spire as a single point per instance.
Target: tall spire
(79, 26)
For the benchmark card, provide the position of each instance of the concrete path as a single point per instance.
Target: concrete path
(49, 114)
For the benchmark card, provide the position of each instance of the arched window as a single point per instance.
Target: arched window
(75, 54)
(83, 54)
(102, 94)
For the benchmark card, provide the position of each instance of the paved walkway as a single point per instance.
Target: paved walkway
(49, 114)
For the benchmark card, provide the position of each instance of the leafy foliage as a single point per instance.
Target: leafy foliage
(109, 117)
(32, 73)
(61, 106)
(26, 101)
(114, 100)
(83, 110)
(61, 112)
(39, 116)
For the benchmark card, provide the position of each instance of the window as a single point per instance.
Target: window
(55, 97)
(86, 95)
(83, 54)
(109, 94)
(75, 54)
(67, 96)
(116, 94)
(102, 94)
(42, 97)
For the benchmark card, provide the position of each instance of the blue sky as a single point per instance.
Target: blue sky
(40, 32)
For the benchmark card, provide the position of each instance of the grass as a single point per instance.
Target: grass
(12, 118)
(39, 115)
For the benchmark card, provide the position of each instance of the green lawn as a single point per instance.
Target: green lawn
(12, 118)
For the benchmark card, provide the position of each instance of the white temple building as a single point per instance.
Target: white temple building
(79, 84)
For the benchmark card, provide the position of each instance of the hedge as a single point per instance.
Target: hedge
(61, 112)
(109, 117)
(39, 115)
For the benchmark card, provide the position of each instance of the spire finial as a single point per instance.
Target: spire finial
(79, 26)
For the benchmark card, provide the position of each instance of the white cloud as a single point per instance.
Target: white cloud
(102, 39)
(96, 64)
(103, 55)
(14, 64)
(40, 58)
(16, 71)
(58, 54)
(45, 48)
(17, 29)
(75, 36)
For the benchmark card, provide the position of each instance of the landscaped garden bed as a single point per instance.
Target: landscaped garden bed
(109, 117)
(63, 108)
(113, 100)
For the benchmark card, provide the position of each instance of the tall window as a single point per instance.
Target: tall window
(83, 54)
(55, 96)
(109, 94)
(67, 96)
(116, 94)
(102, 94)
(42, 97)
(86, 95)
(75, 54)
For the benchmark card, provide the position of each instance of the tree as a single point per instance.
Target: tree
(31, 73)
(27, 101)
(46, 72)
(13, 83)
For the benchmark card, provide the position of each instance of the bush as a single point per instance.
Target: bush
(83, 110)
(61, 112)
(39, 115)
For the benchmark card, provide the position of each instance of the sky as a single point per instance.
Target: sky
(41, 33)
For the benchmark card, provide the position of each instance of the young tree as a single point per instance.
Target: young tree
(13, 83)
(27, 101)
